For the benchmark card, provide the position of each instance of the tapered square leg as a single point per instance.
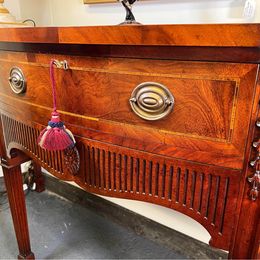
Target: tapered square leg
(31, 256)
(38, 177)
(14, 187)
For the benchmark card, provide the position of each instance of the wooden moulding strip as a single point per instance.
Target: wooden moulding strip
(221, 35)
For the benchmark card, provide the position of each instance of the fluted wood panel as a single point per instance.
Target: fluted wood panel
(207, 194)
(26, 136)
(193, 189)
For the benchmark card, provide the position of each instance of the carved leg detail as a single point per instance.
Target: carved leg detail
(38, 177)
(14, 187)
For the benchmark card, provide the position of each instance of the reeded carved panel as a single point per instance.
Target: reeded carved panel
(208, 194)
(20, 135)
(204, 193)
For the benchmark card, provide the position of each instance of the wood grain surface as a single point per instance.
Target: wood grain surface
(95, 94)
(232, 35)
(195, 161)
(14, 188)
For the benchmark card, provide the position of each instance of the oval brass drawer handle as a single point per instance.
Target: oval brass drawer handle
(17, 80)
(151, 101)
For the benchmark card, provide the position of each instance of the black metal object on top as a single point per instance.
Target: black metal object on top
(129, 19)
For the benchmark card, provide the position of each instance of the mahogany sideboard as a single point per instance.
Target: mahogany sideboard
(166, 114)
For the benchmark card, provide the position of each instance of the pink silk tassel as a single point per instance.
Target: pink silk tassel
(55, 137)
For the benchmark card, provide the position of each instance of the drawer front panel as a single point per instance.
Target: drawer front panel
(209, 121)
(202, 109)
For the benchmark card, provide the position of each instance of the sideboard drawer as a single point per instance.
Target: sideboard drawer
(208, 123)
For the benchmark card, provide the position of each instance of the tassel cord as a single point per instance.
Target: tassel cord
(53, 85)
(55, 137)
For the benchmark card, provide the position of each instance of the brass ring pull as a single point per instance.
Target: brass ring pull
(17, 81)
(151, 101)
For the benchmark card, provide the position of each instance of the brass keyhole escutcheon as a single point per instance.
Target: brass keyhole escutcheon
(151, 101)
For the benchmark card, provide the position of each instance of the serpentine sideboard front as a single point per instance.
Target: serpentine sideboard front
(166, 114)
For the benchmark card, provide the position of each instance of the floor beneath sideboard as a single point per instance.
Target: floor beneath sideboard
(62, 229)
